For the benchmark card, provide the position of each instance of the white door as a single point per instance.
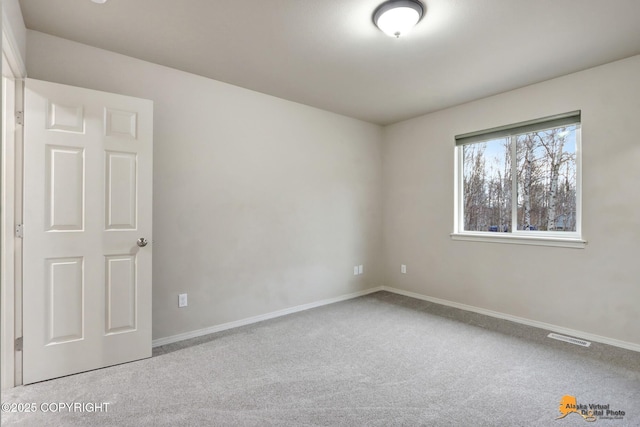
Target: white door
(87, 202)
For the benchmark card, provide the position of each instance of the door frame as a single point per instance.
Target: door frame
(13, 68)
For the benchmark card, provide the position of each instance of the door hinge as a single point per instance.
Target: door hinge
(18, 345)
(19, 231)
(19, 118)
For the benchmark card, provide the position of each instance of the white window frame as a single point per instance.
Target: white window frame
(570, 239)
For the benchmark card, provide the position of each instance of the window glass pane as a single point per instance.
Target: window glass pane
(487, 186)
(547, 179)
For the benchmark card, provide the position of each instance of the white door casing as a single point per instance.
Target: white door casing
(7, 221)
(87, 200)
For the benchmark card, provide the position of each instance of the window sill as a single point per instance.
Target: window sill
(563, 242)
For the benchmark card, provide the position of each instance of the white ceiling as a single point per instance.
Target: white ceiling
(328, 54)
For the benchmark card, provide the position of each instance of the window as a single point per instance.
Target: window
(521, 183)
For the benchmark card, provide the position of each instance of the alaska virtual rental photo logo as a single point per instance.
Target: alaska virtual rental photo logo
(589, 412)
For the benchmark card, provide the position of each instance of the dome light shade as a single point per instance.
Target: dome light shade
(397, 17)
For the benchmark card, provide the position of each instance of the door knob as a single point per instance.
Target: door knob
(142, 242)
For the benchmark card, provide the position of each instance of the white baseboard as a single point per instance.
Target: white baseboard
(522, 320)
(255, 319)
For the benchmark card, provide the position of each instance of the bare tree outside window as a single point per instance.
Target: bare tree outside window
(540, 165)
(487, 186)
(547, 180)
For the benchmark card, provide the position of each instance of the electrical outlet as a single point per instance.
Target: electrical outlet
(182, 300)
(355, 270)
(403, 269)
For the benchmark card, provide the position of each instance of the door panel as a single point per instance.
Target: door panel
(121, 191)
(121, 293)
(64, 187)
(64, 299)
(88, 187)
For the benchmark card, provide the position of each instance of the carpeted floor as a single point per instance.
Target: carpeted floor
(379, 360)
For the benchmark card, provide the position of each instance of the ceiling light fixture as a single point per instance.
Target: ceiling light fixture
(397, 17)
(99, 1)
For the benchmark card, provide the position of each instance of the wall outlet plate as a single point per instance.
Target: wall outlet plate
(182, 300)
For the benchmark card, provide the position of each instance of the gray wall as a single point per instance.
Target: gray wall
(596, 289)
(260, 204)
(12, 16)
